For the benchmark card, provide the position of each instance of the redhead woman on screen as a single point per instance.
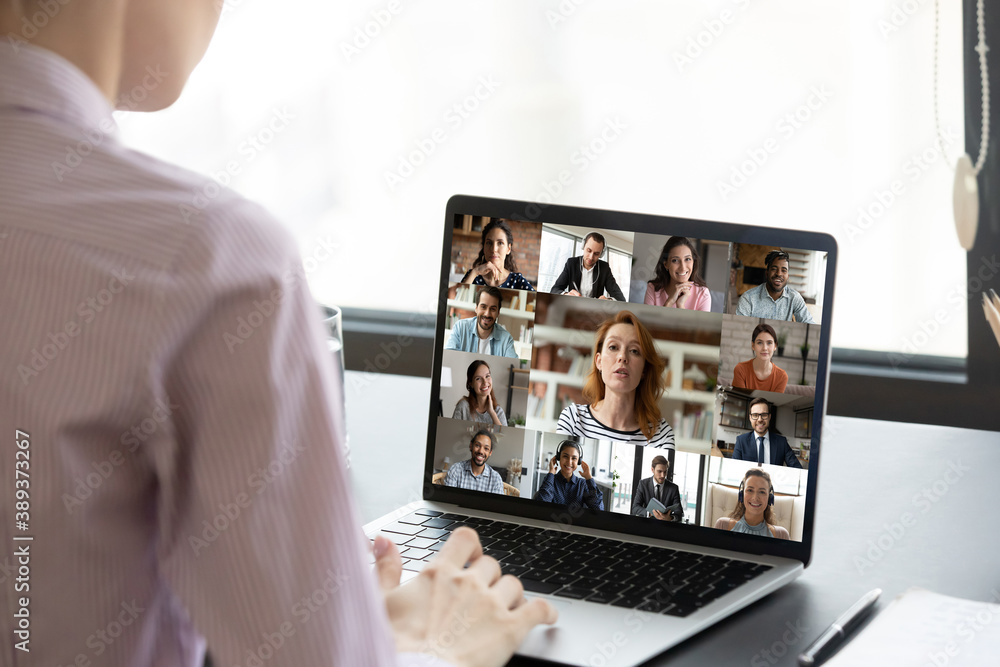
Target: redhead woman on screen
(678, 282)
(481, 403)
(760, 372)
(753, 514)
(622, 389)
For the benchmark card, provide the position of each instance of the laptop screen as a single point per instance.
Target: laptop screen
(653, 375)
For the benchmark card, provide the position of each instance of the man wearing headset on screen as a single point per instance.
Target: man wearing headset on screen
(774, 300)
(764, 444)
(588, 275)
(474, 473)
(659, 488)
(562, 487)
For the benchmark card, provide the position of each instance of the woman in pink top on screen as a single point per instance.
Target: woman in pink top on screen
(760, 372)
(678, 282)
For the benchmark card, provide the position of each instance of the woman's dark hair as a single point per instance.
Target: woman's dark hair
(662, 279)
(765, 328)
(509, 263)
(470, 375)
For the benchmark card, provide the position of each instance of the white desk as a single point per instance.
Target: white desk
(873, 474)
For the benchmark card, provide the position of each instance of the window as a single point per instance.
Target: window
(356, 141)
(559, 247)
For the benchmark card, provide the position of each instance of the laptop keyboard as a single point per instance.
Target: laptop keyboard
(581, 567)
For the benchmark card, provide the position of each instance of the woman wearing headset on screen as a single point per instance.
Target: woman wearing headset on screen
(560, 486)
(622, 389)
(753, 514)
(481, 403)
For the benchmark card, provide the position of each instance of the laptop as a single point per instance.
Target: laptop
(529, 443)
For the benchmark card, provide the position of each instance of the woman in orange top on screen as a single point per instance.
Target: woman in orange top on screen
(760, 372)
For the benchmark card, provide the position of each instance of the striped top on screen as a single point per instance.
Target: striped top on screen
(163, 354)
(578, 420)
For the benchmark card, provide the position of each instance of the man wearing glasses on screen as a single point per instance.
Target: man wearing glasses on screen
(764, 444)
(775, 300)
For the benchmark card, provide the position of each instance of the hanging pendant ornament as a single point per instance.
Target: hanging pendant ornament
(965, 191)
(966, 202)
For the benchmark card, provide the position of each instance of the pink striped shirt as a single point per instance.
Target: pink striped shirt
(161, 349)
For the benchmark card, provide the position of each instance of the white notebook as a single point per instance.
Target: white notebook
(923, 628)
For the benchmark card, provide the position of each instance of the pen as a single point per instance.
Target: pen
(849, 620)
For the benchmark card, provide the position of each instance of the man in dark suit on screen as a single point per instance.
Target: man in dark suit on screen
(657, 487)
(588, 275)
(763, 445)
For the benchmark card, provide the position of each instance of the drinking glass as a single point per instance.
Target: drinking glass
(333, 322)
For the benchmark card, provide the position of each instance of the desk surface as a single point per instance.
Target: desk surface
(941, 481)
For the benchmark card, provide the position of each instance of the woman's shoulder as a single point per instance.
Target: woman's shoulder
(725, 523)
(663, 437)
(571, 411)
(703, 298)
(569, 418)
(781, 532)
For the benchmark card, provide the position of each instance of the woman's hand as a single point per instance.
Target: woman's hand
(585, 470)
(491, 408)
(491, 273)
(553, 466)
(494, 614)
(680, 294)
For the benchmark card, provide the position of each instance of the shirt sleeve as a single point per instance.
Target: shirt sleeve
(567, 421)
(704, 302)
(743, 306)
(650, 298)
(665, 435)
(497, 483)
(451, 477)
(501, 416)
(614, 291)
(639, 500)
(781, 380)
(593, 498)
(800, 311)
(508, 346)
(739, 377)
(547, 491)
(254, 510)
(455, 339)
(562, 282)
(461, 409)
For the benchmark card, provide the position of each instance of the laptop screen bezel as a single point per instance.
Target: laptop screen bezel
(654, 224)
